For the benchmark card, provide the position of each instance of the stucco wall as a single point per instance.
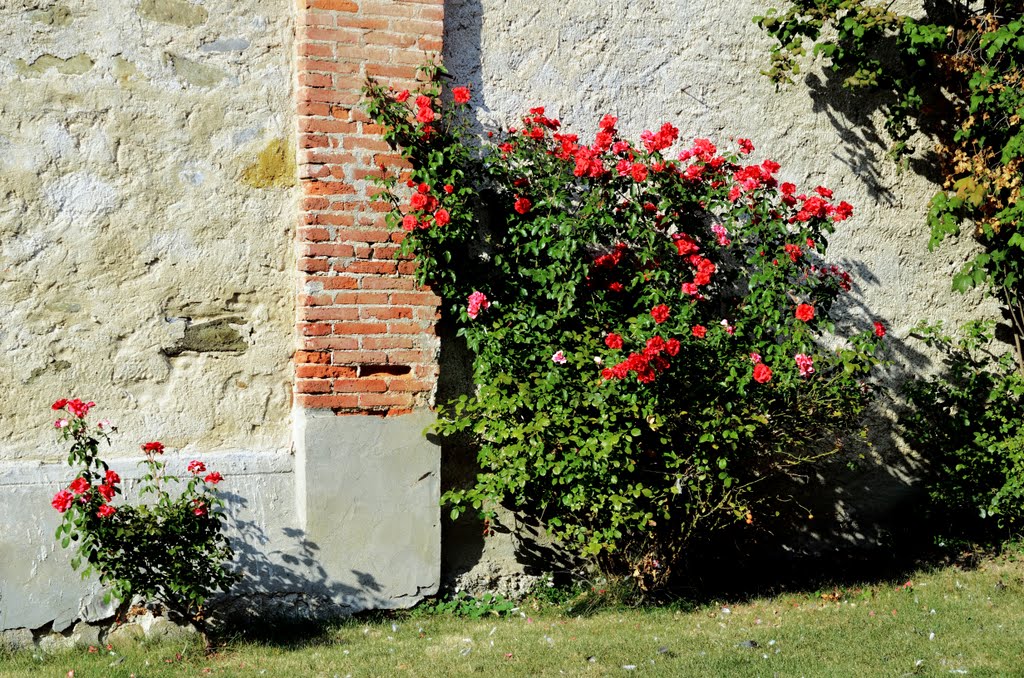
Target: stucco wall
(148, 203)
(146, 216)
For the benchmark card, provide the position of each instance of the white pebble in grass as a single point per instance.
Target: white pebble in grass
(629, 667)
(931, 636)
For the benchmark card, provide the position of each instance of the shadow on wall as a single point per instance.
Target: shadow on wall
(282, 577)
(863, 147)
(863, 499)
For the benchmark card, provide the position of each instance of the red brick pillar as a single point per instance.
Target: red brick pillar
(366, 340)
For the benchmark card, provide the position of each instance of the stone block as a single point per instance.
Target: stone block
(15, 639)
(369, 491)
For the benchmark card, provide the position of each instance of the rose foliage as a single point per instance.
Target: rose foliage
(647, 321)
(171, 549)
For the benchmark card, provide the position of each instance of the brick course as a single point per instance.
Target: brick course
(366, 332)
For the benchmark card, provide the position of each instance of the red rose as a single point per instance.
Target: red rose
(78, 408)
(461, 95)
(106, 511)
(660, 313)
(615, 287)
(762, 373)
(62, 500)
(613, 341)
(842, 211)
(672, 347)
(442, 217)
(655, 345)
(402, 96)
(213, 478)
(425, 115)
(418, 201)
(195, 466)
(112, 478)
(79, 485)
(106, 491)
(154, 447)
(59, 405)
(879, 329)
(409, 222)
(685, 244)
(200, 508)
(699, 331)
(805, 312)
(522, 205)
(449, 189)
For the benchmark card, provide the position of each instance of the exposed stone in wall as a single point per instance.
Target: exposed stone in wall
(147, 211)
(274, 166)
(175, 12)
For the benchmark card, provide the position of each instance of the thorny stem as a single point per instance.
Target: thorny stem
(1016, 308)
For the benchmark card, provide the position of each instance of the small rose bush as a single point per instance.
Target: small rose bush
(650, 321)
(171, 549)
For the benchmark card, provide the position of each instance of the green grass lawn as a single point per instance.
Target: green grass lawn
(944, 622)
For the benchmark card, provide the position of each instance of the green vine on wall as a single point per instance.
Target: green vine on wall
(956, 74)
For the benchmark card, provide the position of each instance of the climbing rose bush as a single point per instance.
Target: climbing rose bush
(650, 322)
(171, 549)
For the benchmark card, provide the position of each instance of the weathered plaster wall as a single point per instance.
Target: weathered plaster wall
(146, 218)
(696, 64)
(148, 203)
